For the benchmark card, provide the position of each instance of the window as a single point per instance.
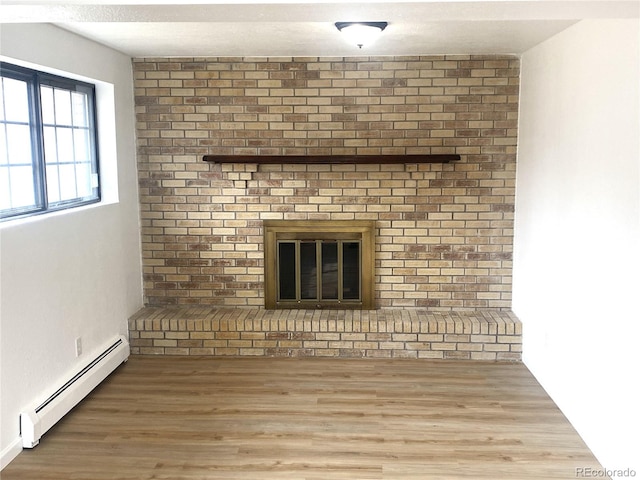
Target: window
(48, 151)
(319, 264)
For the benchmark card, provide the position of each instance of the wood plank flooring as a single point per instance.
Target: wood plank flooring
(310, 418)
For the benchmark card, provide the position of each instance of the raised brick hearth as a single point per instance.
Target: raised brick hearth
(411, 333)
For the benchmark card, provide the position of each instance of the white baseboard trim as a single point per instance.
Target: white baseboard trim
(10, 452)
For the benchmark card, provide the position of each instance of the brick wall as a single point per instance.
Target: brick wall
(444, 230)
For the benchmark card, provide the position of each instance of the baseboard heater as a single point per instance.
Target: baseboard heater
(37, 421)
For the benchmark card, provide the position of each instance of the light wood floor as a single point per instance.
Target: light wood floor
(278, 418)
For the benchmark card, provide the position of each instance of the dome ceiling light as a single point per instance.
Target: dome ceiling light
(361, 33)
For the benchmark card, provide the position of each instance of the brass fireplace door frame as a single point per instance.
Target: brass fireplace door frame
(360, 230)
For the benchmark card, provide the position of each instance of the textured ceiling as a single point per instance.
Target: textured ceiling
(301, 28)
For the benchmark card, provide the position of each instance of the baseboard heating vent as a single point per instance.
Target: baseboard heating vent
(37, 421)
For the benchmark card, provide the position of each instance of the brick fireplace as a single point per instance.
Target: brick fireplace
(443, 230)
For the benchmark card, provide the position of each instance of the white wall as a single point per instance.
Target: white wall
(76, 273)
(577, 237)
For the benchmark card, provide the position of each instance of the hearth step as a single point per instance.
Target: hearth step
(384, 333)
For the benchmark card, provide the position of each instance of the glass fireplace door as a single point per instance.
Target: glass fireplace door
(319, 272)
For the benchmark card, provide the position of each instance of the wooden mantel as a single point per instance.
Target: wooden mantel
(340, 159)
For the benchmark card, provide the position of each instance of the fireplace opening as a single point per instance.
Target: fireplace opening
(318, 270)
(321, 264)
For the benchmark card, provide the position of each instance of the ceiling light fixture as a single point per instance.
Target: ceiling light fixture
(361, 33)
